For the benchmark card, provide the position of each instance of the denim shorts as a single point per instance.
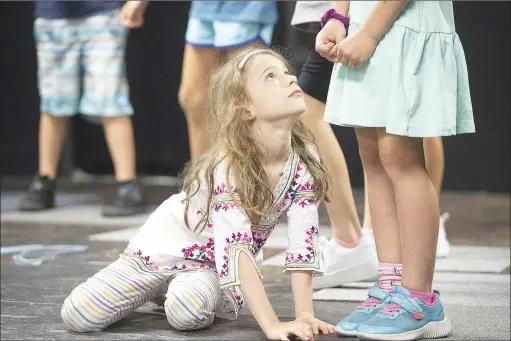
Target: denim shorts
(226, 34)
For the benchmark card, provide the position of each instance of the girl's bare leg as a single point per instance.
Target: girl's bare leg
(341, 209)
(417, 207)
(52, 130)
(435, 164)
(435, 161)
(382, 202)
(198, 62)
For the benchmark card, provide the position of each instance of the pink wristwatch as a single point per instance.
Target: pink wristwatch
(332, 14)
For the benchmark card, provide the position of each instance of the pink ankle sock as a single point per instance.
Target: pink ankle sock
(347, 245)
(389, 275)
(428, 298)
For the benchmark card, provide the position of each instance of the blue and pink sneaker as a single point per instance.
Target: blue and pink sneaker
(375, 301)
(405, 317)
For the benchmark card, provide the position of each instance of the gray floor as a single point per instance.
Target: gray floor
(35, 278)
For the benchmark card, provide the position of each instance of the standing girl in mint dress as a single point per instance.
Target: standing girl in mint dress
(400, 76)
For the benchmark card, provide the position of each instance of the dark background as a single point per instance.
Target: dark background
(476, 162)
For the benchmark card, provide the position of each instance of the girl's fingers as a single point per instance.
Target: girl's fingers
(345, 61)
(339, 54)
(301, 334)
(323, 49)
(325, 328)
(315, 329)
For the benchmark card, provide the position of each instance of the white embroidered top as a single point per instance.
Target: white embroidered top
(165, 243)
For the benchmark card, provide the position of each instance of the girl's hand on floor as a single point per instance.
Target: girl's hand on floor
(356, 49)
(282, 330)
(316, 325)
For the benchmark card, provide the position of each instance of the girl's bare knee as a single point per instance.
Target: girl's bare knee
(192, 101)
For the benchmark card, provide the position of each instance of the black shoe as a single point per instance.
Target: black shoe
(129, 200)
(40, 195)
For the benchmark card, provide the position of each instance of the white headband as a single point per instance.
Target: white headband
(247, 56)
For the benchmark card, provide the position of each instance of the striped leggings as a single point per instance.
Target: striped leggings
(190, 298)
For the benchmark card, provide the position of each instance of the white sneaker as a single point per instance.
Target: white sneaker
(370, 233)
(343, 265)
(443, 246)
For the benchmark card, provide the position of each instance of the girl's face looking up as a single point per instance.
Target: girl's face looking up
(274, 93)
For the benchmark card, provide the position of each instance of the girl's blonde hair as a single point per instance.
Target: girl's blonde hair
(232, 143)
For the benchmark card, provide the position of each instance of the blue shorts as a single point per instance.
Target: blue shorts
(226, 34)
(81, 66)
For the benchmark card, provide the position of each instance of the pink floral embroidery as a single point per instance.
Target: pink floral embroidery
(304, 196)
(300, 194)
(260, 238)
(226, 204)
(220, 189)
(291, 193)
(201, 252)
(178, 267)
(146, 259)
(309, 255)
(238, 297)
(183, 267)
(209, 224)
(306, 187)
(235, 238)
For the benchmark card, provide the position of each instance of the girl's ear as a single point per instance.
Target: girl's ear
(246, 114)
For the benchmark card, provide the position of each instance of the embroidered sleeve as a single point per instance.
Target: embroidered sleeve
(304, 250)
(232, 234)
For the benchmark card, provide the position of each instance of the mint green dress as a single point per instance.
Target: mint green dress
(416, 82)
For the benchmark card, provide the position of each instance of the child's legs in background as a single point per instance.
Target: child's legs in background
(192, 298)
(206, 42)
(435, 161)
(111, 294)
(52, 131)
(367, 223)
(105, 88)
(121, 145)
(417, 207)
(198, 62)
(348, 256)
(382, 202)
(314, 80)
(341, 208)
(58, 59)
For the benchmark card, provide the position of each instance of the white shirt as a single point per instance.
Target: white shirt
(166, 244)
(307, 14)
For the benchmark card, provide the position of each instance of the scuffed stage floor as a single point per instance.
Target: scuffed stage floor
(474, 280)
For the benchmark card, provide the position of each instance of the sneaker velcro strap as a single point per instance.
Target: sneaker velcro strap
(405, 303)
(378, 293)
